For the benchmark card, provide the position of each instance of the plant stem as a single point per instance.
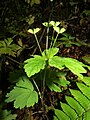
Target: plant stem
(52, 39)
(38, 43)
(47, 37)
(13, 60)
(55, 40)
(37, 89)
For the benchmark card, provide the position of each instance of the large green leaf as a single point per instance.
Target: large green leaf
(23, 94)
(34, 65)
(75, 66)
(57, 62)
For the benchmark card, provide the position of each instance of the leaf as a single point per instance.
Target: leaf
(57, 62)
(23, 94)
(52, 86)
(61, 115)
(69, 111)
(84, 89)
(75, 105)
(32, 2)
(75, 66)
(34, 31)
(7, 47)
(34, 65)
(54, 24)
(86, 80)
(30, 19)
(59, 30)
(49, 53)
(6, 115)
(46, 24)
(80, 98)
(86, 59)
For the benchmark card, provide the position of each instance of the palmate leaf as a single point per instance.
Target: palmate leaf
(34, 65)
(6, 115)
(23, 94)
(7, 47)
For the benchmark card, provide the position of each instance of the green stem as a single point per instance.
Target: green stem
(38, 43)
(47, 37)
(37, 89)
(13, 60)
(55, 40)
(52, 39)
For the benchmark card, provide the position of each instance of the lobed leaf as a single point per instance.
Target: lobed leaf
(57, 62)
(34, 65)
(75, 66)
(23, 94)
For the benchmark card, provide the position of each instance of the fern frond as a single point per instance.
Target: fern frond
(77, 106)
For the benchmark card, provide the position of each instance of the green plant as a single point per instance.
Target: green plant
(6, 115)
(46, 68)
(77, 106)
(8, 47)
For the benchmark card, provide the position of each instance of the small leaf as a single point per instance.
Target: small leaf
(49, 53)
(34, 65)
(62, 30)
(23, 94)
(59, 30)
(34, 31)
(54, 24)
